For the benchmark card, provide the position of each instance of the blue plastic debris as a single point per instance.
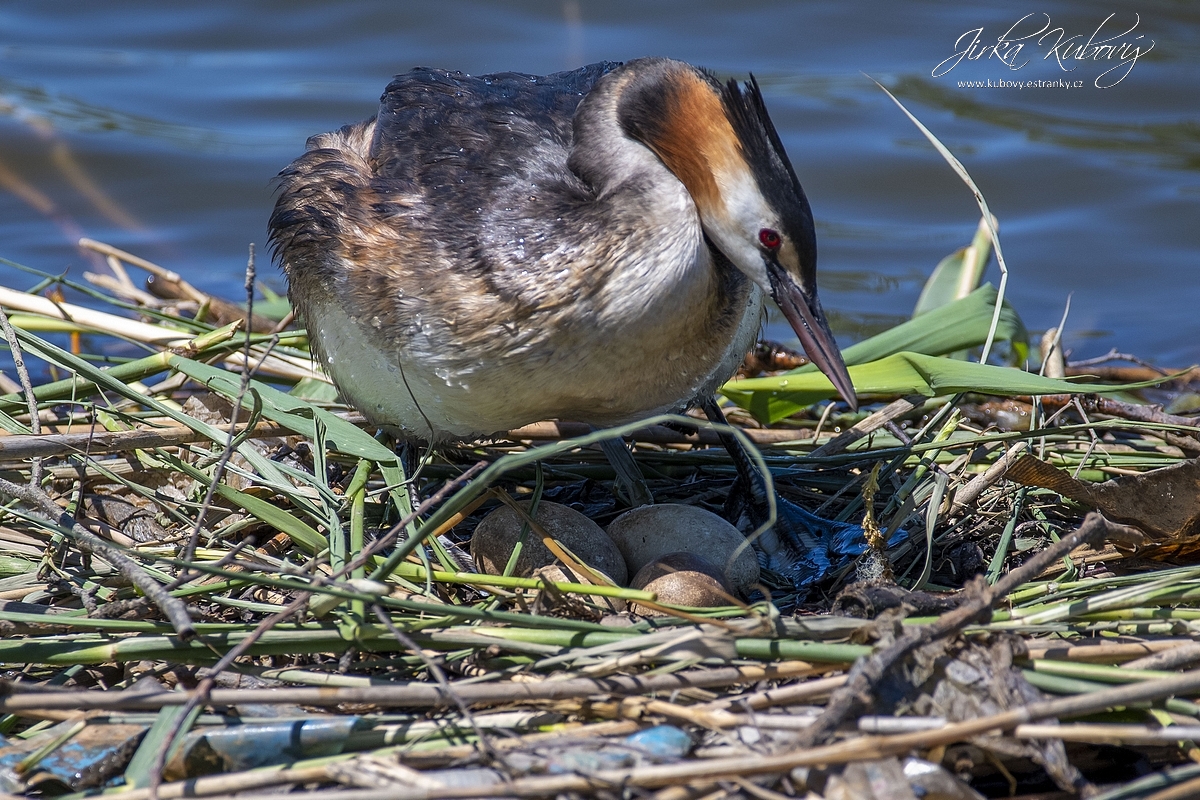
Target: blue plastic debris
(661, 743)
(258, 744)
(87, 760)
(656, 745)
(812, 546)
(651, 746)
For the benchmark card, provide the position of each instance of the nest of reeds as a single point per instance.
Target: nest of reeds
(216, 580)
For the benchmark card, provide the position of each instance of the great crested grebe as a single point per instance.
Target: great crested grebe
(593, 245)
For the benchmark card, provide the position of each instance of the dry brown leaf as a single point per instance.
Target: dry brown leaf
(1163, 503)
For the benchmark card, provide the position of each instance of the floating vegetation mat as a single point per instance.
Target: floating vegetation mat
(215, 580)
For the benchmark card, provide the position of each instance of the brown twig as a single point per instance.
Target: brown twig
(172, 607)
(262, 778)
(889, 413)
(655, 434)
(858, 749)
(975, 487)
(1179, 656)
(483, 741)
(231, 441)
(979, 599)
(99, 442)
(235, 782)
(417, 694)
(1107, 652)
(201, 695)
(1133, 411)
(204, 691)
(1095, 404)
(1115, 355)
(781, 695)
(35, 422)
(170, 285)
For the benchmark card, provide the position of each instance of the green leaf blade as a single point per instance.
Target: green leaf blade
(902, 374)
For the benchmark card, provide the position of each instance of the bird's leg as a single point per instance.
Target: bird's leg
(629, 484)
(410, 458)
(800, 545)
(749, 479)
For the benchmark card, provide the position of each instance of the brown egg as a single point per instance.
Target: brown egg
(643, 534)
(672, 563)
(497, 535)
(681, 579)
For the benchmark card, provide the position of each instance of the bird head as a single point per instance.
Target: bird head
(720, 142)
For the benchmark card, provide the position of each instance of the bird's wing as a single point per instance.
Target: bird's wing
(435, 126)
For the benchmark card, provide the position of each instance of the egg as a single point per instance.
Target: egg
(643, 534)
(681, 579)
(497, 534)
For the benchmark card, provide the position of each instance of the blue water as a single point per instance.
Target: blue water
(157, 127)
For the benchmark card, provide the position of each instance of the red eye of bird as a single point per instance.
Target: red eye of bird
(769, 239)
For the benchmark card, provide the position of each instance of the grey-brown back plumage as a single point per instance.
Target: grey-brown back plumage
(510, 133)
